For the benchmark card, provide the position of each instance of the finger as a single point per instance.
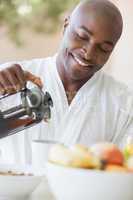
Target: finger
(34, 79)
(2, 91)
(5, 83)
(8, 86)
(19, 74)
(12, 80)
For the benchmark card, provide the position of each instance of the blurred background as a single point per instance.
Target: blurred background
(33, 29)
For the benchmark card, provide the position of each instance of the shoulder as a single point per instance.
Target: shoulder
(32, 64)
(118, 91)
(38, 63)
(114, 85)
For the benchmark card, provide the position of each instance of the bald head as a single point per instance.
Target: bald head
(102, 9)
(90, 35)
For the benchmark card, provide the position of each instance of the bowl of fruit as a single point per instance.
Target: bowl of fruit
(101, 171)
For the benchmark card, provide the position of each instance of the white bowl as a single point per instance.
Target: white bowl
(18, 186)
(85, 184)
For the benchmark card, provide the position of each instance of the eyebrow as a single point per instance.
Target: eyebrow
(91, 33)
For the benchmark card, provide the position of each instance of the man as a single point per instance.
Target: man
(89, 106)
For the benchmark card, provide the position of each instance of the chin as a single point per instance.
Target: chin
(79, 76)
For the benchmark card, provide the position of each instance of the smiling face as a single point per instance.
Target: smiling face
(89, 38)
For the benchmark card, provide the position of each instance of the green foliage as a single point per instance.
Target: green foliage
(38, 15)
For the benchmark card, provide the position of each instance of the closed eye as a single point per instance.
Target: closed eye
(81, 37)
(107, 48)
(104, 50)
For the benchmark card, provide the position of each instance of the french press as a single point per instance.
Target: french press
(34, 106)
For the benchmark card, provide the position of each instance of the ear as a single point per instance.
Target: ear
(66, 23)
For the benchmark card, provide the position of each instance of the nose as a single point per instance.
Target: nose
(89, 51)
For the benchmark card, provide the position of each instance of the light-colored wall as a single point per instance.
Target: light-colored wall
(35, 46)
(122, 58)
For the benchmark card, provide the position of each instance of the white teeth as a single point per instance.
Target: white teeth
(80, 62)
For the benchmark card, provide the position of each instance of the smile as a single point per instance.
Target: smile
(80, 62)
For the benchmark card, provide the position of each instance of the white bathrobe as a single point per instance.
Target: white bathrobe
(102, 110)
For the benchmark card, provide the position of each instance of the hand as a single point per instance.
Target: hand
(14, 78)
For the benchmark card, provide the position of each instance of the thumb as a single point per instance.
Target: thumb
(34, 79)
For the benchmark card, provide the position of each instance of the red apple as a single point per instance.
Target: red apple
(108, 153)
